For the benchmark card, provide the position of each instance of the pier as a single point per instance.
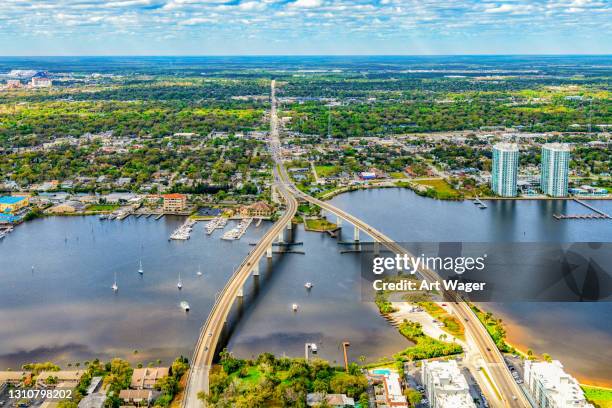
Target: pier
(597, 214)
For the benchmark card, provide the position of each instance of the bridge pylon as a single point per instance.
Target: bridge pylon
(269, 252)
(356, 233)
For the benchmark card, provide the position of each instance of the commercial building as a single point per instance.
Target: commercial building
(174, 202)
(12, 204)
(551, 387)
(555, 169)
(505, 169)
(41, 80)
(258, 209)
(446, 387)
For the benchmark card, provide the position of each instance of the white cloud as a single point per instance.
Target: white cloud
(306, 4)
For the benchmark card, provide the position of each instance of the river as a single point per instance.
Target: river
(64, 310)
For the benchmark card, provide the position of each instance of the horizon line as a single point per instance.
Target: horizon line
(312, 55)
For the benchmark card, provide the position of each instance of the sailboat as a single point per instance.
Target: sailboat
(179, 285)
(140, 270)
(115, 287)
(199, 272)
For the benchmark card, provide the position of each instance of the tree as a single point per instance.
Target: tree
(547, 357)
(413, 396)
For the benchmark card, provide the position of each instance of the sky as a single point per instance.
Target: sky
(304, 27)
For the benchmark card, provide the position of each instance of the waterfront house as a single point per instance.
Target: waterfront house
(146, 378)
(68, 377)
(136, 397)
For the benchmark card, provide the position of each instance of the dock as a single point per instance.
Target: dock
(478, 202)
(159, 216)
(215, 223)
(238, 231)
(597, 214)
(183, 232)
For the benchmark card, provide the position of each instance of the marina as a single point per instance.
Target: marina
(215, 223)
(238, 231)
(183, 232)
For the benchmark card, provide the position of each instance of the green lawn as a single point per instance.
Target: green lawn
(451, 324)
(102, 207)
(320, 224)
(441, 189)
(600, 397)
(397, 175)
(327, 171)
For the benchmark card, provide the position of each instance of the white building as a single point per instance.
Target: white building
(504, 170)
(551, 387)
(555, 169)
(446, 387)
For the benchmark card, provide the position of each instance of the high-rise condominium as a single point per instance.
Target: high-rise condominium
(555, 169)
(505, 168)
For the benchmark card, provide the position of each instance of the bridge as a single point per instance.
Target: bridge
(505, 388)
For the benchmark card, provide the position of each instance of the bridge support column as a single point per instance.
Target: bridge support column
(240, 292)
(256, 270)
(338, 221)
(376, 248)
(269, 252)
(281, 236)
(289, 226)
(356, 233)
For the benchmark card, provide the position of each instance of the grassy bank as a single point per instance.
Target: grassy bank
(598, 396)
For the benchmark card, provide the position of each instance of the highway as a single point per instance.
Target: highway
(212, 329)
(509, 390)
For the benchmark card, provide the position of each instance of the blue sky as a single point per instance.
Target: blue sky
(265, 27)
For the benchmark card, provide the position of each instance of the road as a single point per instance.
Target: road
(212, 330)
(511, 394)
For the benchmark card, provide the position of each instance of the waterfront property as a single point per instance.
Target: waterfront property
(174, 203)
(145, 378)
(552, 387)
(12, 204)
(446, 386)
(505, 168)
(555, 169)
(258, 209)
(387, 388)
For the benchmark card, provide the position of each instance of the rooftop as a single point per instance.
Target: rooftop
(10, 199)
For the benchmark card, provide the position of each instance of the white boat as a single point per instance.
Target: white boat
(179, 285)
(294, 307)
(199, 272)
(185, 306)
(308, 285)
(115, 287)
(140, 270)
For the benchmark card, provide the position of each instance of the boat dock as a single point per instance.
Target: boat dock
(215, 223)
(238, 231)
(159, 216)
(183, 232)
(478, 202)
(597, 214)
